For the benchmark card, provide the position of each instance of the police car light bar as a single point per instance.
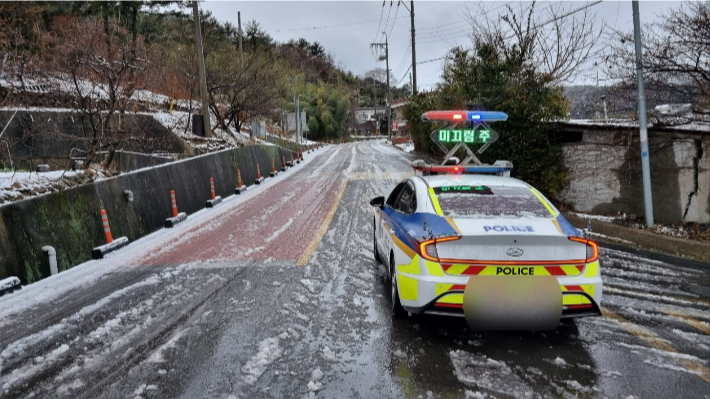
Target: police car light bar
(500, 168)
(460, 116)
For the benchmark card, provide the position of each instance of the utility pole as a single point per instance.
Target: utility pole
(414, 46)
(389, 103)
(414, 51)
(297, 110)
(645, 167)
(295, 107)
(241, 54)
(374, 97)
(385, 57)
(298, 119)
(201, 68)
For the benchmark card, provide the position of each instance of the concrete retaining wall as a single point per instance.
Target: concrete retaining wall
(70, 221)
(48, 136)
(126, 161)
(604, 171)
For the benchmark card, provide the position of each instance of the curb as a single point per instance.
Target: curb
(101, 251)
(9, 285)
(214, 202)
(240, 190)
(659, 256)
(171, 222)
(619, 237)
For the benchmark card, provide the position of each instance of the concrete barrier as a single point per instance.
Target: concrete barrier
(67, 221)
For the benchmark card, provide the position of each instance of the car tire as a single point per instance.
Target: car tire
(397, 309)
(378, 259)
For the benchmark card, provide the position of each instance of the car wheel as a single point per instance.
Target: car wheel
(397, 309)
(378, 259)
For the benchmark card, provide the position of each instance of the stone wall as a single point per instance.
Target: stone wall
(70, 220)
(604, 171)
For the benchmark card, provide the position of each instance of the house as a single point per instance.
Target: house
(399, 120)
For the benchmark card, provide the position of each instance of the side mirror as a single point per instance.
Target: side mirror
(378, 202)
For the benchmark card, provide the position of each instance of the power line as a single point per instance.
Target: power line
(536, 27)
(330, 26)
(388, 15)
(446, 39)
(451, 25)
(439, 26)
(439, 38)
(404, 58)
(404, 75)
(432, 60)
(444, 31)
(394, 20)
(377, 33)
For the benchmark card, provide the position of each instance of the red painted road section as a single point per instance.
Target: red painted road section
(277, 223)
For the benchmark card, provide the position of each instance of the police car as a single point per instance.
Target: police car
(437, 229)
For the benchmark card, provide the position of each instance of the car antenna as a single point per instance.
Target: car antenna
(426, 210)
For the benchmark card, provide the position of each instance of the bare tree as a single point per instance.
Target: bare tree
(238, 95)
(558, 42)
(676, 55)
(103, 66)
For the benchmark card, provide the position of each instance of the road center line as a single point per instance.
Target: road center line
(655, 342)
(306, 257)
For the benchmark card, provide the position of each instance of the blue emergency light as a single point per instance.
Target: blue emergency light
(460, 116)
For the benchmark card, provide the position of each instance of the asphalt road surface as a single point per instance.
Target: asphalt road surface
(275, 294)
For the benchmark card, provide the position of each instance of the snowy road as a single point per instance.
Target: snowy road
(275, 293)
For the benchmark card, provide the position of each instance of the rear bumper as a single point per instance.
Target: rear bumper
(443, 295)
(452, 310)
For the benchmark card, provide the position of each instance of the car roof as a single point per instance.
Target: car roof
(471, 179)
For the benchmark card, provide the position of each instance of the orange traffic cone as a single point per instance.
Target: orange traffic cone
(107, 228)
(172, 199)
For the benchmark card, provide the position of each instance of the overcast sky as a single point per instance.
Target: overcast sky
(439, 26)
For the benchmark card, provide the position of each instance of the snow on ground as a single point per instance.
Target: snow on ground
(681, 230)
(483, 372)
(329, 355)
(9, 283)
(592, 234)
(602, 218)
(406, 147)
(559, 362)
(180, 122)
(269, 351)
(15, 186)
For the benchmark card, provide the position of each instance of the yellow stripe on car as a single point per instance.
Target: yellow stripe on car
(435, 201)
(453, 224)
(451, 298)
(408, 288)
(433, 268)
(544, 202)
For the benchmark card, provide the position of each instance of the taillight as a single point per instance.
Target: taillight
(427, 249)
(592, 248)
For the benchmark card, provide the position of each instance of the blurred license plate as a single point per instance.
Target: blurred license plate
(530, 303)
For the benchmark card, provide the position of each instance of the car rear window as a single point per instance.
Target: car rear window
(489, 202)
